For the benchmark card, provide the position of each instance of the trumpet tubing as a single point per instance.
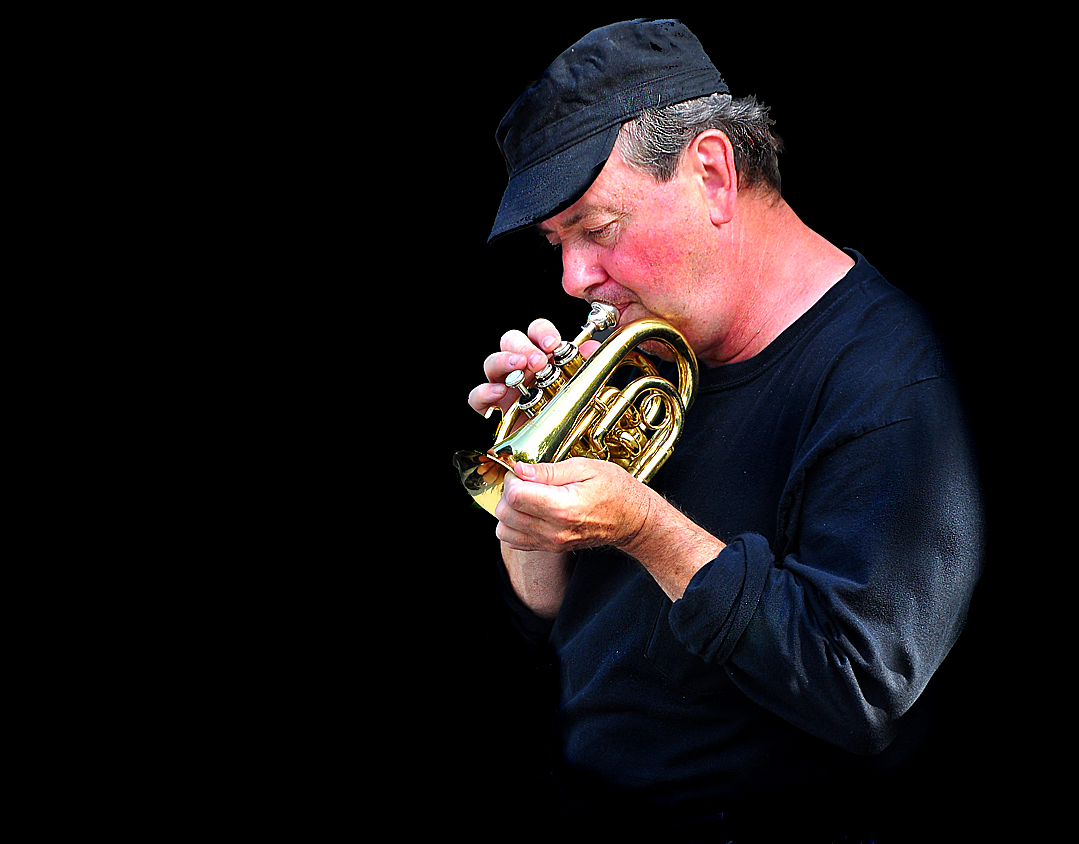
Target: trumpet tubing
(573, 410)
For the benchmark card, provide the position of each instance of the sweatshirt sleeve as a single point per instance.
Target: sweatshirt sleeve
(881, 540)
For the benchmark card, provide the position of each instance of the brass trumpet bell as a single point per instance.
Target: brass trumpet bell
(572, 409)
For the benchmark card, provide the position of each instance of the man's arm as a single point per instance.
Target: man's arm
(539, 578)
(553, 508)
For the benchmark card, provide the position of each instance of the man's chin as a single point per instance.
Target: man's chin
(657, 349)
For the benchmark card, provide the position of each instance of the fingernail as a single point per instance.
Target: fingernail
(537, 360)
(526, 470)
(550, 342)
(516, 360)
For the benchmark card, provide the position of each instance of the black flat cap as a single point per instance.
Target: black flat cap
(560, 132)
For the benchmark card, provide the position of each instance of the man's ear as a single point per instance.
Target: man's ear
(711, 155)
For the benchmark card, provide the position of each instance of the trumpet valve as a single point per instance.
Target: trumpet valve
(532, 398)
(550, 379)
(568, 358)
(516, 380)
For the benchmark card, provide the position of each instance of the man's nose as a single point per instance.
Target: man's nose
(581, 269)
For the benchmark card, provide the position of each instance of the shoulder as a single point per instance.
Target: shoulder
(872, 357)
(868, 328)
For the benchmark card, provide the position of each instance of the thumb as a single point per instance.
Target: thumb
(553, 474)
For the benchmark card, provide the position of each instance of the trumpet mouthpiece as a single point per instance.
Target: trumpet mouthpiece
(601, 317)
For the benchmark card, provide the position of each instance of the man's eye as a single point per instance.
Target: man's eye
(603, 233)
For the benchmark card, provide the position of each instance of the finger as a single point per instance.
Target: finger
(517, 352)
(544, 335)
(508, 510)
(498, 365)
(545, 492)
(516, 343)
(563, 473)
(588, 347)
(534, 517)
(487, 396)
(516, 539)
(521, 501)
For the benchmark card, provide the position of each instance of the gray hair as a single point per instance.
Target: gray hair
(655, 141)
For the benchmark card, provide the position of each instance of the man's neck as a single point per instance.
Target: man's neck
(780, 269)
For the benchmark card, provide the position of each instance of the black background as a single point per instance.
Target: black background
(330, 648)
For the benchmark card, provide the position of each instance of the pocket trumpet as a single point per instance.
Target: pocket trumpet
(573, 410)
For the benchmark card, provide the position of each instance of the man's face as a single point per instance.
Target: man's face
(638, 244)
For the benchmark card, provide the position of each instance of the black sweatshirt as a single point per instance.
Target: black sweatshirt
(837, 467)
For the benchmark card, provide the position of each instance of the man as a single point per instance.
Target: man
(741, 635)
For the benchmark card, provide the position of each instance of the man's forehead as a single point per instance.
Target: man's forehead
(605, 197)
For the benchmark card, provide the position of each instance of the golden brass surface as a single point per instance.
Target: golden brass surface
(581, 415)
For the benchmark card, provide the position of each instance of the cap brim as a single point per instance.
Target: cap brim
(552, 185)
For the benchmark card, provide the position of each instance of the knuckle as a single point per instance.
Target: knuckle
(541, 335)
(492, 368)
(540, 329)
(511, 341)
(511, 494)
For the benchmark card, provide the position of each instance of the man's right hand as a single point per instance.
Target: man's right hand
(529, 352)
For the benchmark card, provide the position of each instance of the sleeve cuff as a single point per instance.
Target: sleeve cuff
(721, 598)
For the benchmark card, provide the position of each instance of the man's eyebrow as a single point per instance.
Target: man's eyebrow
(576, 217)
